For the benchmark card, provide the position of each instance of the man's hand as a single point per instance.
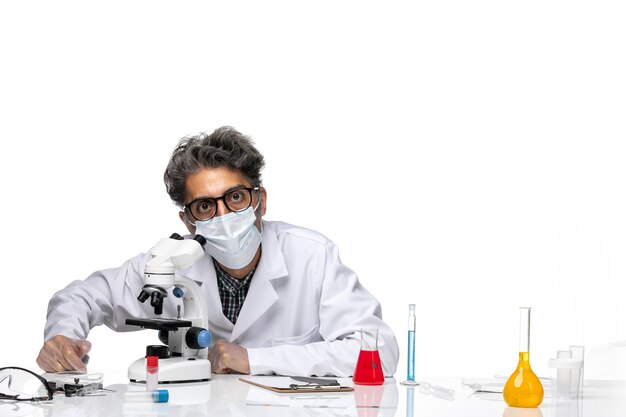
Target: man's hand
(227, 357)
(63, 354)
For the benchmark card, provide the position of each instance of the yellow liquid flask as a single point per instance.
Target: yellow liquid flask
(523, 388)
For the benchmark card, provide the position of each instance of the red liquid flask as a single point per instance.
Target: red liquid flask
(369, 370)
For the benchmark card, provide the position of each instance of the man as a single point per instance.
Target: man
(279, 299)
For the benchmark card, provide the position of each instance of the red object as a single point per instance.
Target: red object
(152, 361)
(369, 370)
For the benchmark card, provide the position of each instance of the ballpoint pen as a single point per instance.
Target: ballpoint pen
(312, 387)
(318, 381)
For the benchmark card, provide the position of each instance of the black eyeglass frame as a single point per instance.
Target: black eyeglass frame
(34, 399)
(187, 207)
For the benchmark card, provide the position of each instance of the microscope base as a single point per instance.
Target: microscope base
(173, 370)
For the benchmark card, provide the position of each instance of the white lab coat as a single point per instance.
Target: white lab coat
(301, 315)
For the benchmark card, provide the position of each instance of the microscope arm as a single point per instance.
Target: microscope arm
(194, 303)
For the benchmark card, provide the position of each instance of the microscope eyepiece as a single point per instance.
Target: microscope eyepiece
(156, 296)
(156, 301)
(143, 296)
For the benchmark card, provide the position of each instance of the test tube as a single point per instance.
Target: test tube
(410, 363)
(156, 396)
(410, 366)
(152, 373)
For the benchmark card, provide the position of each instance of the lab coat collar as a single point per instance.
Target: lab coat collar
(261, 295)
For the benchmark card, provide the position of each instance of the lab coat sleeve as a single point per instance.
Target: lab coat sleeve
(345, 307)
(105, 297)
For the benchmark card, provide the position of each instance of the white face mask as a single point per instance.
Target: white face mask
(232, 239)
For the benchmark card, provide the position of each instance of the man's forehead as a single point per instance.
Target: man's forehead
(213, 182)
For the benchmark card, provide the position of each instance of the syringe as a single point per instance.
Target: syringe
(410, 365)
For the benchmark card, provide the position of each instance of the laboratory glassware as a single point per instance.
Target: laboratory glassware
(565, 375)
(152, 373)
(436, 391)
(410, 365)
(369, 370)
(578, 353)
(523, 388)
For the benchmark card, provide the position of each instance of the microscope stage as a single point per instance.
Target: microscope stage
(159, 324)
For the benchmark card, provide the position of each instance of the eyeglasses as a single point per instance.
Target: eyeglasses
(19, 384)
(236, 200)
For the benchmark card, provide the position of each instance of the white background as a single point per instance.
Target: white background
(467, 156)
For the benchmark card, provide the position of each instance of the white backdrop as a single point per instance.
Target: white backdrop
(466, 156)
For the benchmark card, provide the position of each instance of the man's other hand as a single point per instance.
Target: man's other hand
(227, 357)
(63, 354)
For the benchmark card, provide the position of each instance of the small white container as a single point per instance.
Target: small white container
(565, 375)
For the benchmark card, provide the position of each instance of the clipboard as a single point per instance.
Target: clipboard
(285, 385)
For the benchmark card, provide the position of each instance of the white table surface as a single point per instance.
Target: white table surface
(225, 395)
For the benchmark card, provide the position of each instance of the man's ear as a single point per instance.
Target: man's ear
(183, 218)
(263, 201)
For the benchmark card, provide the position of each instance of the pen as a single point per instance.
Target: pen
(318, 381)
(313, 387)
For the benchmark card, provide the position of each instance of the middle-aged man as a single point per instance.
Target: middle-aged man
(279, 299)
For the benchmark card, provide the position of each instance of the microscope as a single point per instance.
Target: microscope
(184, 355)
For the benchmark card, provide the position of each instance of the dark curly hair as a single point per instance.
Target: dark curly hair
(225, 147)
